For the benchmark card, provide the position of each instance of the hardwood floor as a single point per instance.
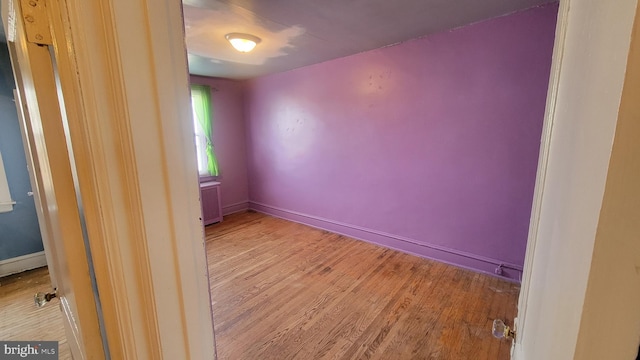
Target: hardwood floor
(20, 319)
(282, 290)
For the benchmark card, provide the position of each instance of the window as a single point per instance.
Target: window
(201, 105)
(201, 145)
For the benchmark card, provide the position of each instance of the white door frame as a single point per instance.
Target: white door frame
(129, 112)
(543, 159)
(51, 173)
(124, 78)
(580, 290)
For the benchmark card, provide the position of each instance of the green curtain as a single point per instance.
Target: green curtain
(201, 98)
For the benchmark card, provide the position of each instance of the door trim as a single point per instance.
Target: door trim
(125, 97)
(543, 161)
(55, 192)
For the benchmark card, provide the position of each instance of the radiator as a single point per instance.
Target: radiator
(211, 205)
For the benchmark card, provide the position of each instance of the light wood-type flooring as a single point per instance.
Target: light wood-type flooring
(282, 290)
(21, 320)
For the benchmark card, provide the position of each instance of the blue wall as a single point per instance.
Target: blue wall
(19, 230)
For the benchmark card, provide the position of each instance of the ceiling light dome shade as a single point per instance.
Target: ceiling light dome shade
(243, 42)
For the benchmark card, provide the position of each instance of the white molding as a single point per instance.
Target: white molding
(44, 125)
(22, 263)
(557, 316)
(6, 203)
(6, 207)
(543, 160)
(137, 173)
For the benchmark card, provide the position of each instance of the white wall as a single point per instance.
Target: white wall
(593, 64)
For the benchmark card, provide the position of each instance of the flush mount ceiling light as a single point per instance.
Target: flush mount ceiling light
(243, 42)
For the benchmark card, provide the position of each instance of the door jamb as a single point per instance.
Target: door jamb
(543, 161)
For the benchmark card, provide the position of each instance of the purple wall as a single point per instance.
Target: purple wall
(229, 140)
(429, 146)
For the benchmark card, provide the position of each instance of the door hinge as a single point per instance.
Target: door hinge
(36, 21)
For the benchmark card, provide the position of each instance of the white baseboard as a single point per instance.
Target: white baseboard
(22, 263)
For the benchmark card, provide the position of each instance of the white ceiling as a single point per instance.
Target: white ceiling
(297, 33)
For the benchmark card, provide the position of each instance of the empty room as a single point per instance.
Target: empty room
(425, 147)
(312, 180)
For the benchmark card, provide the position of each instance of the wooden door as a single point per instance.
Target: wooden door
(52, 172)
